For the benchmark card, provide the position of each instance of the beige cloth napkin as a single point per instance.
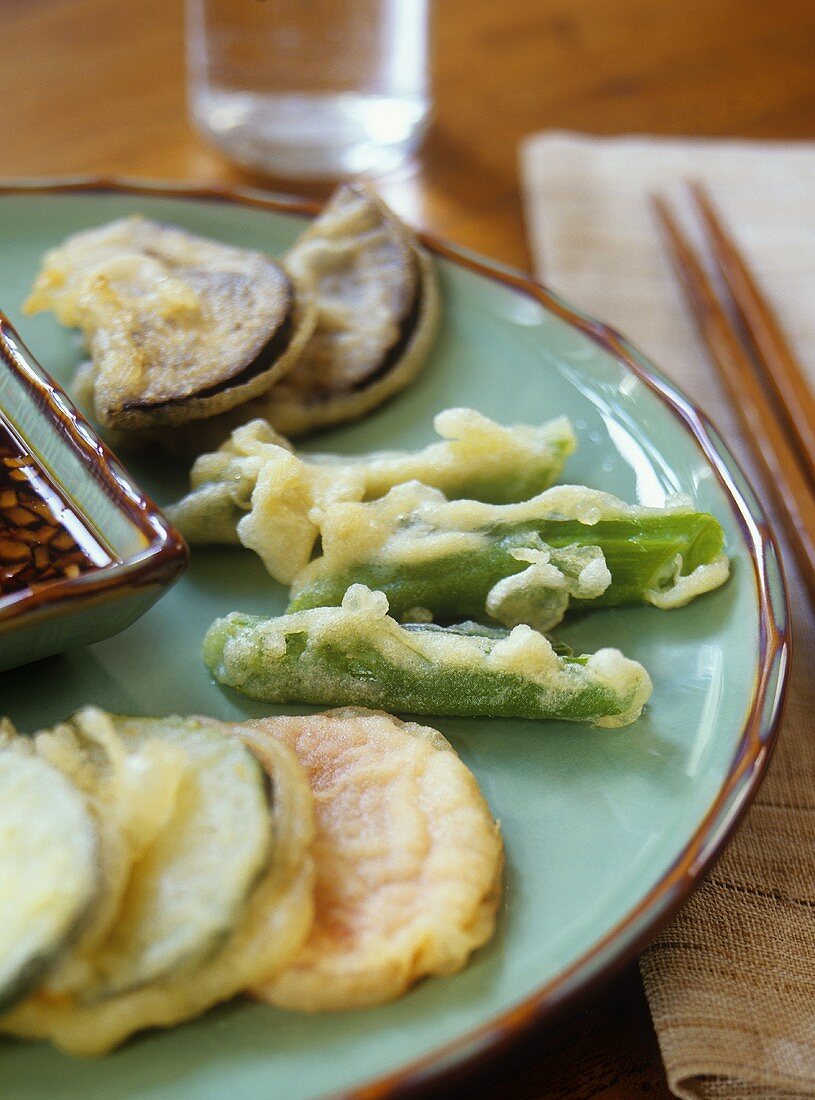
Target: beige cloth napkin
(731, 983)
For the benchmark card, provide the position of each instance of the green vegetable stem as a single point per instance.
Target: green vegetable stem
(357, 654)
(256, 491)
(570, 545)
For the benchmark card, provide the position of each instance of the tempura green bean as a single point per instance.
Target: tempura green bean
(256, 491)
(527, 562)
(357, 654)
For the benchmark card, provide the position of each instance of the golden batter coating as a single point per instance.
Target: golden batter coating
(269, 932)
(408, 860)
(179, 327)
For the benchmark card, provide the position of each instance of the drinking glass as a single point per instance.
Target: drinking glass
(310, 88)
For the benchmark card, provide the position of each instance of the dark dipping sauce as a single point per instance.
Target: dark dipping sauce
(41, 537)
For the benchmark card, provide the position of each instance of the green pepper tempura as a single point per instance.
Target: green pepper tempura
(256, 491)
(516, 563)
(357, 654)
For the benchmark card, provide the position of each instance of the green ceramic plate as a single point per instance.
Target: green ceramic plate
(606, 831)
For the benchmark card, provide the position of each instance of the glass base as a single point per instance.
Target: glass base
(311, 136)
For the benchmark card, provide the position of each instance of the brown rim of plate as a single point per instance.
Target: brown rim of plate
(587, 974)
(164, 554)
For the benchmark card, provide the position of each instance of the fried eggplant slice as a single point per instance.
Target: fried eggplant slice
(377, 304)
(49, 867)
(255, 491)
(268, 934)
(179, 327)
(377, 301)
(408, 860)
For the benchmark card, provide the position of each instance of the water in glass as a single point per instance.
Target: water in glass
(309, 87)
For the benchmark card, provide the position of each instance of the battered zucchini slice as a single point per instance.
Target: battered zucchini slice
(49, 870)
(131, 796)
(192, 883)
(185, 818)
(270, 929)
(179, 327)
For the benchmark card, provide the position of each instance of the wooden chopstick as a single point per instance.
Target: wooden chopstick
(781, 368)
(766, 435)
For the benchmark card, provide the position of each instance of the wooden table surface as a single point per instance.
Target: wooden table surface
(96, 86)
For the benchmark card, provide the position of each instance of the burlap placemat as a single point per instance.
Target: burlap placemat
(731, 983)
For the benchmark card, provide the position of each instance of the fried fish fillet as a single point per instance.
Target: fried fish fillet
(408, 860)
(179, 327)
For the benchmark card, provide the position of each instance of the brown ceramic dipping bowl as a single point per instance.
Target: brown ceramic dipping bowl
(83, 552)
